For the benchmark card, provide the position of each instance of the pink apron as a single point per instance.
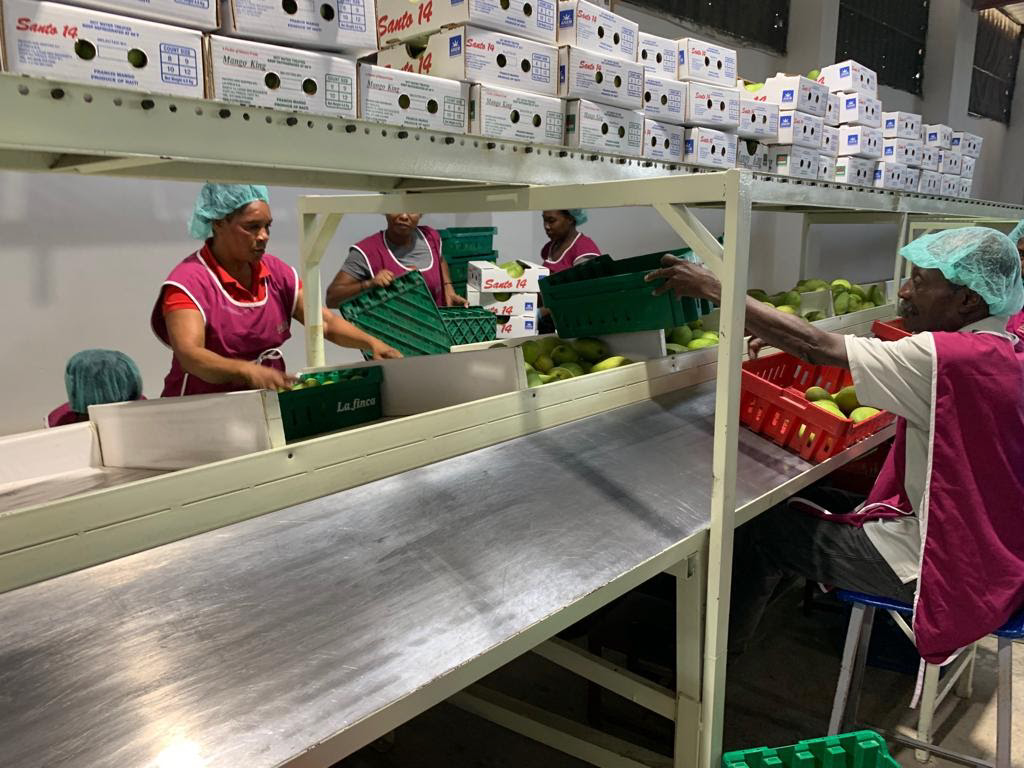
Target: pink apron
(1015, 325)
(240, 331)
(581, 247)
(378, 256)
(62, 415)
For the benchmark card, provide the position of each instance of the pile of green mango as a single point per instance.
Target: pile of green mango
(843, 404)
(553, 359)
(846, 297)
(310, 380)
(849, 297)
(685, 338)
(513, 268)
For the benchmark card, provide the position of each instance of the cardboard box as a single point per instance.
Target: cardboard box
(855, 170)
(401, 20)
(606, 79)
(901, 125)
(488, 277)
(860, 109)
(664, 99)
(600, 128)
(949, 161)
(712, 106)
(928, 158)
(515, 326)
(794, 161)
(709, 148)
(197, 14)
(706, 62)
(938, 135)
(504, 304)
(826, 167)
(967, 164)
(911, 179)
(394, 97)
(345, 25)
(659, 56)
(966, 143)
(480, 56)
(593, 28)
(752, 155)
(758, 120)
(930, 183)
(262, 75)
(889, 175)
(860, 141)
(663, 141)
(829, 140)
(503, 113)
(86, 46)
(793, 92)
(964, 189)
(949, 184)
(801, 129)
(849, 77)
(832, 110)
(902, 151)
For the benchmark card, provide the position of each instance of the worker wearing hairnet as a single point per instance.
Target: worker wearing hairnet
(1016, 323)
(226, 310)
(96, 377)
(941, 526)
(566, 246)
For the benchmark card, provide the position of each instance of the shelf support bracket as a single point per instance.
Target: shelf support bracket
(315, 235)
(694, 234)
(88, 165)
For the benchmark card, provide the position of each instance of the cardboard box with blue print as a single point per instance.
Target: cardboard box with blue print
(503, 113)
(860, 109)
(706, 62)
(709, 148)
(758, 120)
(938, 135)
(257, 74)
(605, 79)
(664, 99)
(829, 141)
(85, 46)
(515, 326)
(967, 165)
(488, 277)
(752, 155)
(901, 125)
(799, 128)
(903, 151)
(330, 25)
(794, 92)
(600, 128)
(659, 56)
(712, 106)
(826, 167)
(930, 183)
(197, 14)
(401, 20)
(794, 161)
(860, 141)
(849, 77)
(855, 170)
(504, 304)
(832, 110)
(411, 100)
(949, 161)
(889, 175)
(593, 28)
(480, 56)
(966, 143)
(663, 141)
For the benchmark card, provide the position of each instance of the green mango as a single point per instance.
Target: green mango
(840, 285)
(814, 316)
(543, 363)
(813, 394)
(841, 303)
(560, 374)
(548, 343)
(531, 351)
(855, 303)
(675, 349)
(702, 343)
(859, 290)
(877, 295)
(574, 368)
(863, 413)
(591, 349)
(830, 406)
(533, 379)
(611, 362)
(757, 293)
(815, 285)
(846, 399)
(695, 325)
(867, 305)
(788, 309)
(713, 335)
(502, 296)
(564, 353)
(513, 268)
(778, 299)
(681, 335)
(792, 298)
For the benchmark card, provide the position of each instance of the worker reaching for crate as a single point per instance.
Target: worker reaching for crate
(941, 526)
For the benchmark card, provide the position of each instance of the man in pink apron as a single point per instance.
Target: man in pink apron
(375, 261)
(566, 247)
(226, 310)
(942, 525)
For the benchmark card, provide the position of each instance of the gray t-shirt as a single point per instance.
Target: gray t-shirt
(414, 255)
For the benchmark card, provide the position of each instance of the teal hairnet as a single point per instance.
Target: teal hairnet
(982, 259)
(579, 215)
(1017, 232)
(99, 376)
(218, 201)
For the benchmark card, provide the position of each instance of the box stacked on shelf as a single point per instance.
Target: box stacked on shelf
(710, 113)
(853, 91)
(802, 105)
(968, 147)
(509, 291)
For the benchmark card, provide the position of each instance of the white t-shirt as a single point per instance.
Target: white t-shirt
(896, 376)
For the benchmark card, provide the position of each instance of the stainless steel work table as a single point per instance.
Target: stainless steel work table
(297, 637)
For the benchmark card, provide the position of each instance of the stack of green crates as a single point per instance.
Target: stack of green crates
(469, 325)
(859, 749)
(461, 245)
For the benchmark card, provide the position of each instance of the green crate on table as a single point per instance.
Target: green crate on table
(469, 325)
(341, 398)
(459, 268)
(605, 295)
(467, 241)
(403, 315)
(859, 749)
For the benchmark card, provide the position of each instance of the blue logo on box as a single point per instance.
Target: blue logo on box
(787, 96)
(682, 57)
(890, 123)
(528, 325)
(851, 103)
(785, 121)
(933, 137)
(565, 18)
(878, 174)
(956, 142)
(455, 45)
(689, 146)
(888, 150)
(851, 140)
(844, 71)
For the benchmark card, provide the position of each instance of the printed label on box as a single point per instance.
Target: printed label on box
(663, 141)
(759, 120)
(503, 113)
(410, 99)
(710, 148)
(403, 20)
(605, 79)
(664, 99)
(712, 106)
(710, 63)
(601, 128)
(344, 25)
(658, 55)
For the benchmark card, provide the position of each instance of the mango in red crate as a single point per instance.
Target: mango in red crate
(863, 413)
(830, 406)
(817, 393)
(846, 399)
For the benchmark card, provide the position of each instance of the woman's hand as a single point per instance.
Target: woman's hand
(452, 299)
(383, 279)
(382, 351)
(258, 376)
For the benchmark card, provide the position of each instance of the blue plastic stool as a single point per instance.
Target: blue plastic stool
(851, 677)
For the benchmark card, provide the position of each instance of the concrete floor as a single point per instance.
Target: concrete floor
(778, 693)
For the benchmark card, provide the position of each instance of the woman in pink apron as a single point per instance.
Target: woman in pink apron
(566, 247)
(1016, 323)
(404, 246)
(226, 310)
(96, 377)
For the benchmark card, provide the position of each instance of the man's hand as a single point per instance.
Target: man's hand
(452, 299)
(382, 351)
(383, 279)
(754, 347)
(684, 278)
(258, 376)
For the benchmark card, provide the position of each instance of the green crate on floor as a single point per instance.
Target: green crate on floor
(605, 295)
(403, 315)
(466, 241)
(459, 269)
(469, 325)
(858, 749)
(341, 398)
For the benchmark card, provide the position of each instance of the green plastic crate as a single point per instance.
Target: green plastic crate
(344, 398)
(859, 749)
(469, 325)
(459, 269)
(467, 241)
(608, 296)
(403, 315)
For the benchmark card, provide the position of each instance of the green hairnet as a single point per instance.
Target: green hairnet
(99, 376)
(1017, 232)
(579, 215)
(982, 259)
(217, 201)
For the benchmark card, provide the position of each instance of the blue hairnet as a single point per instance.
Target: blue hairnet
(217, 201)
(1017, 232)
(579, 215)
(982, 259)
(99, 376)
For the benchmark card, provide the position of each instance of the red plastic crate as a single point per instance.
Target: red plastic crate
(890, 331)
(772, 403)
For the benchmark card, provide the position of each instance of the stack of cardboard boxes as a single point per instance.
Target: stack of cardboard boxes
(802, 107)
(513, 296)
